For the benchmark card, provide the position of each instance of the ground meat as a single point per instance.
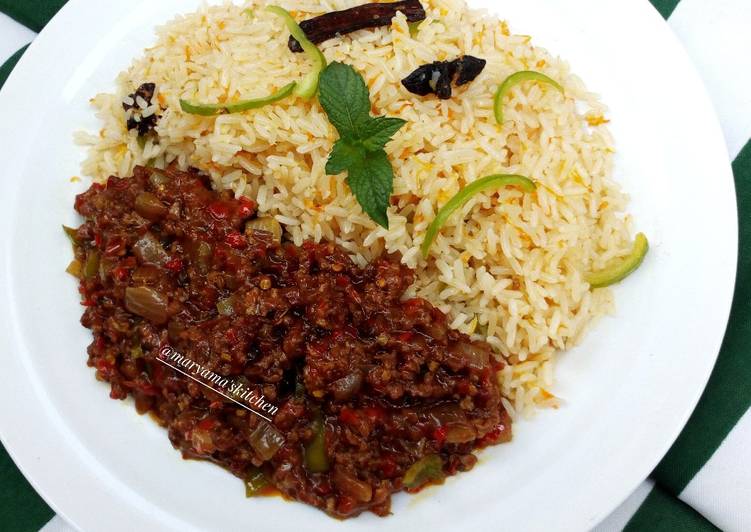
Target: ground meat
(366, 383)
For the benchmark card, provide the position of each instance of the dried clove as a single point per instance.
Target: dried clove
(330, 25)
(134, 111)
(468, 68)
(436, 78)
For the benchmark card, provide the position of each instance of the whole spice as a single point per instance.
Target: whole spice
(330, 25)
(138, 112)
(437, 77)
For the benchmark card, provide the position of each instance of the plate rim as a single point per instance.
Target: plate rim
(45, 486)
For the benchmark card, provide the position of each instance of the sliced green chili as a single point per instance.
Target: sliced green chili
(255, 481)
(299, 389)
(91, 267)
(316, 460)
(212, 109)
(225, 307)
(306, 88)
(426, 469)
(74, 268)
(515, 79)
(461, 197)
(620, 268)
(414, 28)
(72, 234)
(309, 84)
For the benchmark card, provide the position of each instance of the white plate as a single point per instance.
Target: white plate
(628, 389)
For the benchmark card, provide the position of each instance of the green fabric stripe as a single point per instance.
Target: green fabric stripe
(665, 7)
(33, 14)
(9, 64)
(21, 509)
(661, 512)
(728, 394)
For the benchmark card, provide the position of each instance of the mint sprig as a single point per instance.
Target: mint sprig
(362, 138)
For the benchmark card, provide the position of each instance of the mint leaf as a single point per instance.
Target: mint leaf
(359, 150)
(377, 131)
(344, 155)
(372, 182)
(344, 97)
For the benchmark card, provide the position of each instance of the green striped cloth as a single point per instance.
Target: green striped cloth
(704, 482)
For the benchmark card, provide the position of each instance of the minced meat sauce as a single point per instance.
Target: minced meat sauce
(372, 393)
